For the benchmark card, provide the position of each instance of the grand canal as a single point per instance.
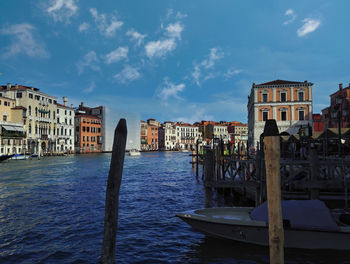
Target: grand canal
(51, 211)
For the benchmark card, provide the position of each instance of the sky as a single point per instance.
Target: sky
(173, 60)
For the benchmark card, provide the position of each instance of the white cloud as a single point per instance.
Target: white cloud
(136, 36)
(128, 74)
(180, 15)
(84, 27)
(310, 25)
(91, 88)
(290, 13)
(106, 28)
(171, 90)
(90, 60)
(62, 10)
(165, 45)
(206, 66)
(174, 30)
(117, 55)
(196, 74)
(195, 114)
(160, 48)
(23, 41)
(214, 55)
(231, 72)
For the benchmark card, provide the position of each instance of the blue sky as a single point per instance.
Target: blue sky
(173, 60)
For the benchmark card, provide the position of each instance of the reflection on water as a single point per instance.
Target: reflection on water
(51, 211)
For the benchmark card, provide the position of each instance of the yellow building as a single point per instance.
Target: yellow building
(12, 132)
(39, 116)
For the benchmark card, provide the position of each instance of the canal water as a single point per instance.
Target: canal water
(52, 210)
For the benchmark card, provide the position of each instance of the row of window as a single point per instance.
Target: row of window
(92, 138)
(47, 131)
(283, 115)
(89, 129)
(7, 103)
(283, 97)
(37, 97)
(93, 121)
(65, 112)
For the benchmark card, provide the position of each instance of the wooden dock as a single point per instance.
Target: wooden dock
(324, 178)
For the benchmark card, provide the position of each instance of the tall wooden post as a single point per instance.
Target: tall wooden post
(197, 156)
(273, 185)
(314, 193)
(112, 193)
(193, 158)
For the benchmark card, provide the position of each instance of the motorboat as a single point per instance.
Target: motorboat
(5, 157)
(20, 157)
(134, 152)
(308, 224)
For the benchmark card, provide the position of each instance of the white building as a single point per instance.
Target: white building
(65, 128)
(169, 136)
(187, 136)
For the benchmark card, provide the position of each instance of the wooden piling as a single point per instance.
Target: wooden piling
(273, 185)
(112, 193)
(193, 158)
(314, 173)
(197, 156)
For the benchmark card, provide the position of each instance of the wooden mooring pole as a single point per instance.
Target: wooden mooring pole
(273, 185)
(112, 193)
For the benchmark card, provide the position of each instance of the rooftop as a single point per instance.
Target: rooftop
(283, 82)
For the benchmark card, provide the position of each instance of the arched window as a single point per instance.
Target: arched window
(36, 111)
(30, 110)
(30, 128)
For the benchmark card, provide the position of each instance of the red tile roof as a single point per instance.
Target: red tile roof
(19, 107)
(281, 82)
(89, 116)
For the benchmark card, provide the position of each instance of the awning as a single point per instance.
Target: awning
(14, 128)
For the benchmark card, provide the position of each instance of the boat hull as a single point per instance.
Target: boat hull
(258, 234)
(20, 157)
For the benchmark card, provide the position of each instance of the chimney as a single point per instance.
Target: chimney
(71, 105)
(340, 86)
(16, 86)
(82, 104)
(8, 86)
(65, 100)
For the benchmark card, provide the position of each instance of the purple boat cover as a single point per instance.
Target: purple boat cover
(304, 214)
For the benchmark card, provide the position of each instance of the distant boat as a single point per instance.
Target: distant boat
(307, 224)
(134, 152)
(20, 157)
(185, 150)
(5, 157)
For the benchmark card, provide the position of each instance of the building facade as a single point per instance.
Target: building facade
(169, 136)
(144, 133)
(187, 136)
(65, 128)
(100, 112)
(39, 120)
(12, 132)
(338, 113)
(88, 133)
(288, 102)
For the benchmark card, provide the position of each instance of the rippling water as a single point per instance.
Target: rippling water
(52, 210)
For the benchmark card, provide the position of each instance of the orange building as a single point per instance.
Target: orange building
(288, 102)
(88, 133)
(152, 134)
